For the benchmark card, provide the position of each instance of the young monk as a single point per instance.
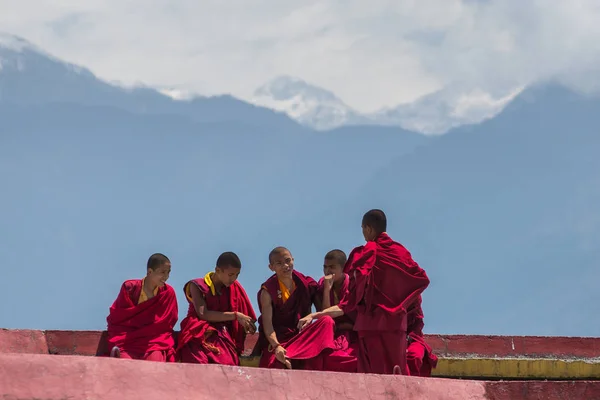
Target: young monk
(219, 316)
(419, 355)
(332, 288)
(284, 299)
(141, 320)
(386, 281)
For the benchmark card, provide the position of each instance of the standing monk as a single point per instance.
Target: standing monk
(141, 320)
(219, 316)
(284, 299)
(419, 355)
(386, 282)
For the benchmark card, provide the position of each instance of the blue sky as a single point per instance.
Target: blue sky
(395, 51)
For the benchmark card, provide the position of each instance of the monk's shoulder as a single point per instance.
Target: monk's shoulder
(131, 284)
(168, 289)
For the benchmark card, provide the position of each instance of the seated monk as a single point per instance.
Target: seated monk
(333, 287)
(385, 282)
(141, 320)
(219, 316)
(284, 299)
(419, 355)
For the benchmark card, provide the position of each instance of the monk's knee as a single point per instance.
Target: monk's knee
(327, 320)
(155, 356)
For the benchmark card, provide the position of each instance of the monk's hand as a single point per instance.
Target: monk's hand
(280, 354)
(244, 321)
(304, 322)
(251, 328)
(328, 282)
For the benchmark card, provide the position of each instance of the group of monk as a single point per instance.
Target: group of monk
(368, 312)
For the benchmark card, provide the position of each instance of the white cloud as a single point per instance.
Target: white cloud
(370, 53)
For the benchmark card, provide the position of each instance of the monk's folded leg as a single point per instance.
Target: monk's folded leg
(380, 352)
(156, 356)
(312, 341)
(215, 350)
(193, 353)
(414, 358)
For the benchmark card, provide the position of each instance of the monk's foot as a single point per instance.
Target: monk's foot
(397, 370)
(115, 352)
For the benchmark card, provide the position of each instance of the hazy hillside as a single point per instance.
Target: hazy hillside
(505, 217)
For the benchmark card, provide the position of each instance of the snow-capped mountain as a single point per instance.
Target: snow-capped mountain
(434, 113)
(29, 75)
(310, 105)
(450, 107)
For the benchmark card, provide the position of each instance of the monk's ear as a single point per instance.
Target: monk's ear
(271, 267)
(148, 271)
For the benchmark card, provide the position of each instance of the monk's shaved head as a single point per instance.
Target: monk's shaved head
(376, 220)
(277, 251)
(229, 259)
(157, 260)
(337, 256)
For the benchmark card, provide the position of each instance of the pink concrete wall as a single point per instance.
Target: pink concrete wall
(33, 376)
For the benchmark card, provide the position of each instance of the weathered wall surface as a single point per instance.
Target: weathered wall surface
(48, 377)
(44, 365)
(461, 356)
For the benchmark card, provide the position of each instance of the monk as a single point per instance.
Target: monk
(419, 355)
(332, 288)
(141, 319)
(284, 299)
(385, 283)
(219, 316)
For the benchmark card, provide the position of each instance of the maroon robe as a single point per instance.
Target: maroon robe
(419, 355)
(305, 349)
(386, 281)
(344, 357)
(143, 331)
(204, 342)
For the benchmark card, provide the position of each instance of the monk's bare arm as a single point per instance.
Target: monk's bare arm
(333, 312)
(205, 314)
(326, 303)
(267, 318)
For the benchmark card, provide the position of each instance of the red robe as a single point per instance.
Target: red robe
(143, 331)
(386, 281)
(305, 349)
(419, 355)
(344, 357)
(206, 342)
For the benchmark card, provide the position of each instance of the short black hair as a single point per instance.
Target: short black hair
(157, 260)
(336, 255)
(229, 259)
(375, 219)
(277, 250)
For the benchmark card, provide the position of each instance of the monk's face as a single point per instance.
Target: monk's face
(282, 264)
(227, 274)
(331, 267)
(160, 275)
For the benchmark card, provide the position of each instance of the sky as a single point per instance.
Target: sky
(394, 51)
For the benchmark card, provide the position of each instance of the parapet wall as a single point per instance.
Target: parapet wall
(460, 356)
(49, 365)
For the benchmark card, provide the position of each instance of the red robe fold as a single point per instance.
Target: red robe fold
(386, 281)
(344, 357)
(206, 342)
(305, 348)
(419, 355)
(143, 331)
